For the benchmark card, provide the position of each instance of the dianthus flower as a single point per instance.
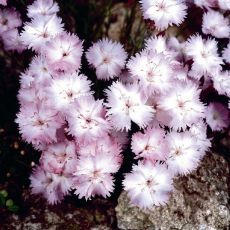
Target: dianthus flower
(206, 3)
(157, 44)
(94, 174)
(164, 13)
(107, 57)
(42, 8)
(126, 104)
(224, 4)
(183, 105)
(59, 158)
(64, 90)
(63, 53)
(204, 55)
(12, 41)
(148, 184)
(217, 116)
(9, 19)
(87, 120)
(40, 30)
(38, 123)
(3, 2)
(199, 132)
(104, 145)
(52, 186)
(184, 154)
(226, 54)
(221, 82)
(216, 24)
(153, 70)
(150, 145)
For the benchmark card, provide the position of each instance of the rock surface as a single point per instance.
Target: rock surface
(200, 201)
(98, 214)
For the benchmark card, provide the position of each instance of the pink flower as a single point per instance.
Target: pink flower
(184, 154)
(63, 91)
(9, 19)
(156, 44)
(224, 4)
(107, 57)
(148, 184)
(199, 132)
(94, 174)
(64, 53)
(87, 120)
(206, 3)
(59, 158)
(41, 29)
(3, 2)
(52, 186)
(182, 104)
(103, 146)
(42, 8)
(153, 70)
(217, 116)
(221, 82)
(27, 96)
(126, 104)
(164, 13)
(40, 72)
(38, 123)
(204, 54)
(150, 145)
(11, 40)
(216, 24)
(226, 53)
(119, 137)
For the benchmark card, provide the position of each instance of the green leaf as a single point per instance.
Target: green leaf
(9, 203)
(13, 208)
(2, 200)
(4, 193)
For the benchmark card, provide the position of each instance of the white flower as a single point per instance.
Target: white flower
(150, 145)
(221, 82)
(157, 44)
(199, 132)
(94, 174)
(87, 119)
(184, 154)
(216, 24)
(52, 186)
(224, 4)
(107, 57)
(206, 3)
(204, 55)
(153, 70)
(226, 53)
(40, 30)
(183, 105)
(148, 184)
(40, 72)
(63, 53)
(63, 91)
(126, 104)
(164, 12)
(42, 8)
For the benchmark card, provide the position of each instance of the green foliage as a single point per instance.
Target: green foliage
(7, 203)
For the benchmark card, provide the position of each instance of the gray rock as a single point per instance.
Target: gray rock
(200, 201)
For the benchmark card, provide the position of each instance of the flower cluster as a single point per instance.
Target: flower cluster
(10, 21)
(156, 98)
